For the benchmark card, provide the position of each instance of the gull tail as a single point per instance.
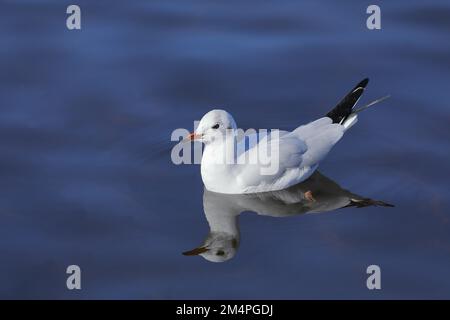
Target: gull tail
(344, 112)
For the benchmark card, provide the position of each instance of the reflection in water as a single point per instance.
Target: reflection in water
(317, 194)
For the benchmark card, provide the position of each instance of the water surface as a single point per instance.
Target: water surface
(86, 118)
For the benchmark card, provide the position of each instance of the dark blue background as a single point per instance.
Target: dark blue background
(86, 117)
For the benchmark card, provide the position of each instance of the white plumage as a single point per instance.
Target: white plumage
(298, 155)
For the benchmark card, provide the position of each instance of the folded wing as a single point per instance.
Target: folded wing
(288, 158)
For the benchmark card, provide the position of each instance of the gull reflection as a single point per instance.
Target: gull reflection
(317, 194)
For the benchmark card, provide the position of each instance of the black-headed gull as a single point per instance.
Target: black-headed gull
(222, 211)
(289, 157)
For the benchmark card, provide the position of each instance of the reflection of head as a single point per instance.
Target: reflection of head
(218, 247)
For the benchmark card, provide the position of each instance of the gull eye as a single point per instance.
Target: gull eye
(216, 126)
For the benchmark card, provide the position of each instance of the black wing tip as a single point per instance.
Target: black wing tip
(344, 108)
(367, 202)
(363, 83)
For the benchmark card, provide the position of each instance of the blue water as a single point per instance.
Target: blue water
(85, 171)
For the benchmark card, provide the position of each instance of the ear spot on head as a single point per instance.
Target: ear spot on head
(220, 253)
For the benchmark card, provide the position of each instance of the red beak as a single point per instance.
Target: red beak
(192, 136)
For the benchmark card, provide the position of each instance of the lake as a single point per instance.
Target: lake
(85, 148)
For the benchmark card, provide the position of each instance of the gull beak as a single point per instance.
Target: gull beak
(196, 251)
(192, 136)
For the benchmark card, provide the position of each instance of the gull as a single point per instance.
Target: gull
(296, 154)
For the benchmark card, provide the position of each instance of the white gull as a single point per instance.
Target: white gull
(296, 153)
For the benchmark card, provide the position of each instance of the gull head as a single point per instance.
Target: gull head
(213, 126)
(218, 247)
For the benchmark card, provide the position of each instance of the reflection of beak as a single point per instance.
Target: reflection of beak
(196, 251)
(193, 136)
